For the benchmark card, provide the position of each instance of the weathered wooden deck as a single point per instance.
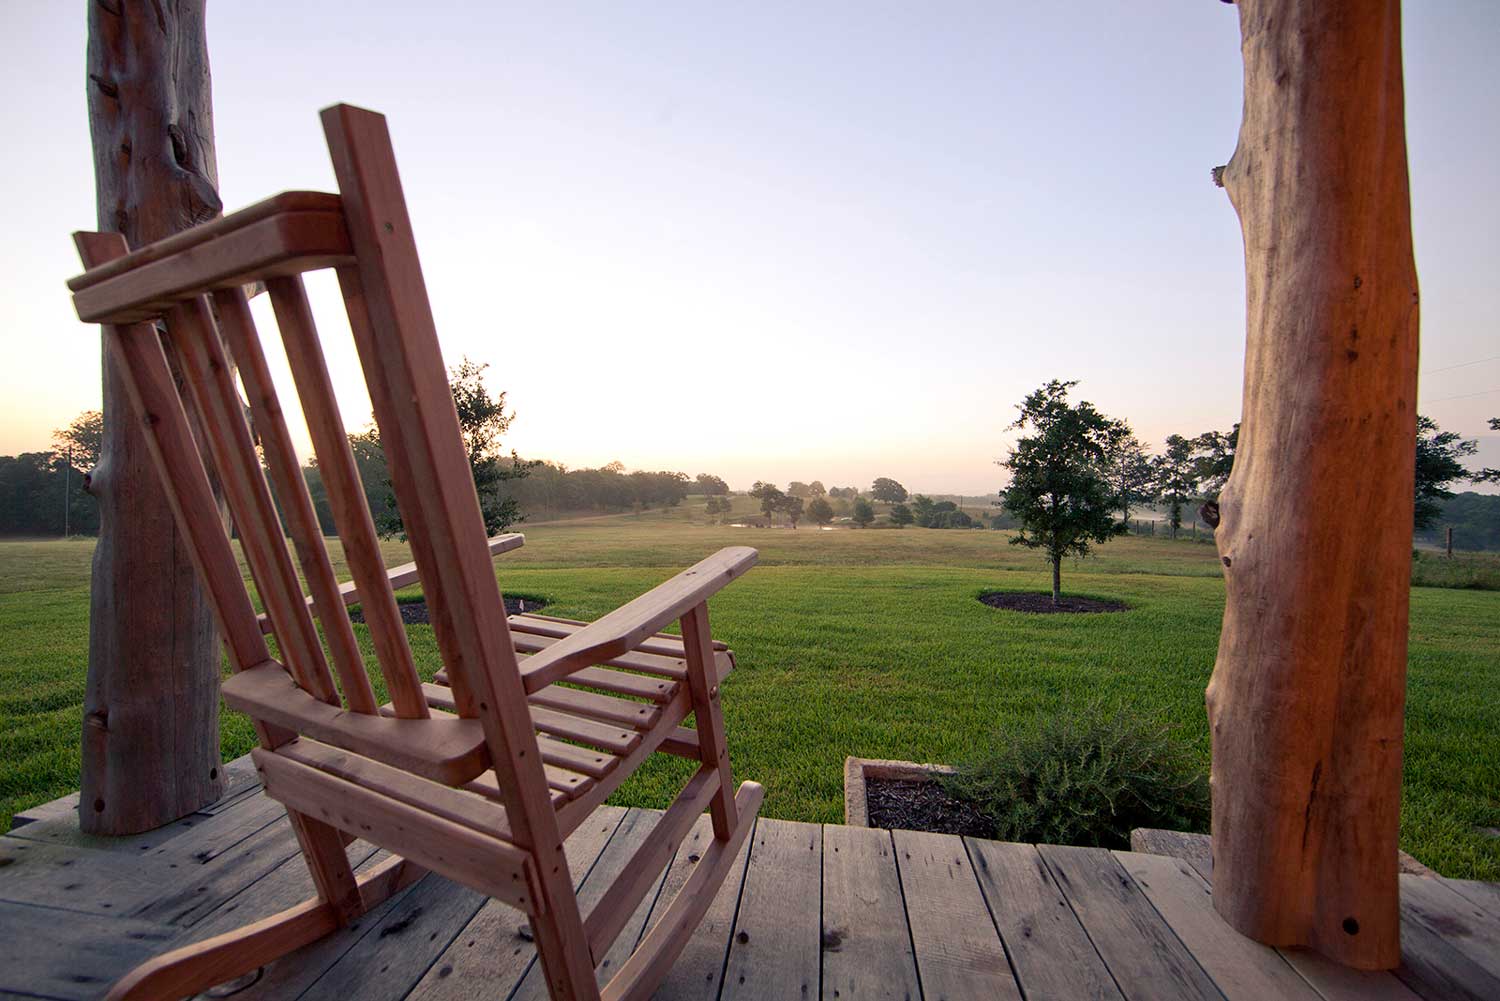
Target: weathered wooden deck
(829, 911)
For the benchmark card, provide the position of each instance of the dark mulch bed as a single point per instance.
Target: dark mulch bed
(1042, 603)
(415, 612)
(922, 806)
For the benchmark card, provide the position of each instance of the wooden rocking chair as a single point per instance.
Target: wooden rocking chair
(481, 776)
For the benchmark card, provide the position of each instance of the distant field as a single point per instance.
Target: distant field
(866, 642)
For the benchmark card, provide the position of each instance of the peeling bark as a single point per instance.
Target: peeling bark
(1307, 696)
(151, 709)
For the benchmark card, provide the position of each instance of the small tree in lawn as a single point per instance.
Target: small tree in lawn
(1213, 459)
(791, 506)
(886, 489)
(483, 420)
(1058, 489)
(863, 513)
(901, 515)
(820, 511)
(1176, 477)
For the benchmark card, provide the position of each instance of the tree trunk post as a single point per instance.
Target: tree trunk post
(151, 707)
(1307, 695)
(1056, 579)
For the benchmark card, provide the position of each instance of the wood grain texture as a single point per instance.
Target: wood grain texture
(867, 949)
(1144, 955)
(491, 953)
(1306, 710)
(1242, 968)
(959, 953)
(151, 713)
(698, 972)
(1049, 950)
(774, 950)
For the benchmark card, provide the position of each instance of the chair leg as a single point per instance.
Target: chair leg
(193, 968)
(563, 948)
(703, 682)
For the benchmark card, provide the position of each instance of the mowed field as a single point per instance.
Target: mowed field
(866, 642)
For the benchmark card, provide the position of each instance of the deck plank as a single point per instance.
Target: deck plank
(1486, 895)
(1335, 982)
(68, 954)
(867, 951)
(699, 970)
(78, 879)
(208, 884)
(490, 954)
(1049, 950)
(1146, 958)
(774, 951)
(389, 960)
(628, 836)
(1243, 969)
(1434, 967)
(1463, 924)
(959, 952)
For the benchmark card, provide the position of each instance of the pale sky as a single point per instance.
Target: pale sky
(777, 241)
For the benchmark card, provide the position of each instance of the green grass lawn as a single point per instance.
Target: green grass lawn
(862, 642)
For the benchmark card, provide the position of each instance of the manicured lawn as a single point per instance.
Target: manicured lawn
(863, 642)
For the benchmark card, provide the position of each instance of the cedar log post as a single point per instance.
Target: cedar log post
(151, 709)
(1308, 692)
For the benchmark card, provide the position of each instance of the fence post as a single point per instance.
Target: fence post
(1449, 534)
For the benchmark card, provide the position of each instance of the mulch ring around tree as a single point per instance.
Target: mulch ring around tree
(922, 806)
(1022, 601)
(415, 612)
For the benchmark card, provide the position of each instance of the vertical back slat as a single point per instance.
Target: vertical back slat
(206, 371)
(403, 365)
(346, 495)
(413, 517)
(155, 402)
(238, 328)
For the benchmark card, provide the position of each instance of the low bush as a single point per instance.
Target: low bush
(1085, 779)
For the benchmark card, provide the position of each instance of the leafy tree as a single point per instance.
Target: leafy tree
(769, 496)
(886, 489)
(85, 437)
(951, 519)
(709, 484)
(1488, 475)
(820, 511)
(1439, 462)
(1175, 477)
(797, 488)
(864, 512)
(922, 510)
(816, 486)
(1213, 459)
(843, 493)
(714, 507)
(483, 420)
(791, 506)
(1058, 489)
(1129, 472)
(901, 515)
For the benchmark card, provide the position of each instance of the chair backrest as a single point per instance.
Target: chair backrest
(193, 283)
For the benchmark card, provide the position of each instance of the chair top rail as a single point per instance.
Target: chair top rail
(274, 241)
(287, 201)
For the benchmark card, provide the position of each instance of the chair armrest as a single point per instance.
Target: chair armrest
(406, 574)
(631, 624)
